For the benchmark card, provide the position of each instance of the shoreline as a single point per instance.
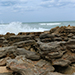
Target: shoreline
(39, 53)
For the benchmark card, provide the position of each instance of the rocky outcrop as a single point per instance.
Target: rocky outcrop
(39, 53)
(28, 67)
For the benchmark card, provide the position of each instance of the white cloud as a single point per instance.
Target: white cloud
(57, 3)
(66, 1)
(17, 5)
(26, 5)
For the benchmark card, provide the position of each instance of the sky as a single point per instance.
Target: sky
(37, 10)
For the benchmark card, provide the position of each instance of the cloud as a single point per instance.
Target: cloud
(31, 5)
(11, 3)
(23, 8)
(17, 5)
(57, 3)
(7, 3)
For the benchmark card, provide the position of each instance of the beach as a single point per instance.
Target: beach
(50, 52)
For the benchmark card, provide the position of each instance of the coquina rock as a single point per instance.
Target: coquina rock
(39, 53)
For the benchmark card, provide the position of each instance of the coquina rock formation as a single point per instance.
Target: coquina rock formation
(38, 53)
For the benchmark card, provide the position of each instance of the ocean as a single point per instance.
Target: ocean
(16, 27)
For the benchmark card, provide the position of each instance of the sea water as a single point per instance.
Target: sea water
(16, 27)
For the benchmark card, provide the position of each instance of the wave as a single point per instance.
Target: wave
(16, 27)
(50, 23)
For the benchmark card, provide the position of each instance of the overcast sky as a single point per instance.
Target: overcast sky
(37, 10)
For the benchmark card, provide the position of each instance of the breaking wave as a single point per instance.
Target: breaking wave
(16, 27)
(50, 23)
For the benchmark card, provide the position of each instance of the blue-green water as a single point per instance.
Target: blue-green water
(16, 27)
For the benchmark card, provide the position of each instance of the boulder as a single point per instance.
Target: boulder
(8, 51)
(46, 35)
(27, 67)
(54, 73)
(28, 54)
(61, 62)
(18, 38)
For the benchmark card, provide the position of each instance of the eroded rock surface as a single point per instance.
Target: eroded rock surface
(28, 67)
(41, 53)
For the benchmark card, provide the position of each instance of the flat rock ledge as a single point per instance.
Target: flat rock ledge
(38, 53)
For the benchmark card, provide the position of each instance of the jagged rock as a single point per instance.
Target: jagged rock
(57, 39)
(26, 44)
(27, 67)
(54, 29)
(51, 50)
(68, 30)
(69, 70)
(59, 30)
(3, 41)
(61, 62)
(58, 54)
(28, 54)
(17, 38)
(31, 33)
(6, 74)
(71, 47)
(3, 61)
(71, 58)
(66, 39)
(46, 40)
(45, 35)
(38, 49)
(8, 51)
(71, 41)
(53, 73)
(73, 37)
(10, 33)
(70, 35)
(13, 51)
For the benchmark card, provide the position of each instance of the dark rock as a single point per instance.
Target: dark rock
(28, 54)
(34, 53)
(69, 70)
(54, 55)
(46, 35)
(46, 40)
(10, 33)
(27, 67)
(18, 38)
(66, 39)
(51, 50)
(73, 37)
(71, 47)
(8, 51)
(69, 30)
(54, 29)
(25, 44)
(71, 41)
(57, 39)
(70, 35)
(53, 73)
(3, 41)
(61, 62)
(6, 74)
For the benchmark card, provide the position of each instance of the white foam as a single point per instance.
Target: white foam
(16, 27)
(50, 23)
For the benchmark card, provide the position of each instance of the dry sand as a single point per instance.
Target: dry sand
(4, 70)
